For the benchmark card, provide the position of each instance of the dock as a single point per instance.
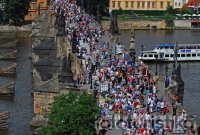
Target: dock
(9, 55)
(3, 120)
(11, 44)
(8, 89)
(9, 70)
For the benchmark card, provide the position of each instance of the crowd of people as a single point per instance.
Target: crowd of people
(131, 97)
(131, 101)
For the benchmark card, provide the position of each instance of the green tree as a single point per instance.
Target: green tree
(15, 10)
(170, 10)
(91, 6)
(72, 114)
(169, 20)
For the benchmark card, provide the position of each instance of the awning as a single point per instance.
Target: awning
(195, 21)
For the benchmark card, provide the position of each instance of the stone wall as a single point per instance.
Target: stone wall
(42, 101)
(182, 23)
(8, 28)
(127, 25)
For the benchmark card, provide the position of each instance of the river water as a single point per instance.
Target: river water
(190, 71)
(21, 105)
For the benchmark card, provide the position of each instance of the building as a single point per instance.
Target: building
(2, 6)
(192, 3)
(140, 4)
(36, 8)
(178, 3)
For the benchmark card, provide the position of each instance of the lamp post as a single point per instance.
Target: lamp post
(81, 56)
(91, 79)
(156, 56)
(166, 77)
(132, 49)
(149, 76)
(142, 50)
(82, 4)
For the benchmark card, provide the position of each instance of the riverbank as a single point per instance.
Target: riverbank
(148, 25)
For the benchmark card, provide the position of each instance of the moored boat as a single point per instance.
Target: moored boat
(166, 52)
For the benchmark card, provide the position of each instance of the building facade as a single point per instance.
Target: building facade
(2, 7)
(178, 3)
(36, 7)
(140, 4)
(2, 4)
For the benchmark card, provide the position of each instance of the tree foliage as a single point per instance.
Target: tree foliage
(15, 10)
(72, 114)
(91, 6)
(170, 10)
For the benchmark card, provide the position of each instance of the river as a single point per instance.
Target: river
(21, 105)
(190, 71)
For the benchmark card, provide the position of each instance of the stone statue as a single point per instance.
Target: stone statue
(114, 25)
(60, 20)
(176, 76)
(132, 51)
(74, 42)
(98, 15)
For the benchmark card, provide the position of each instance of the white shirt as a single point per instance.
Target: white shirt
(162, 105)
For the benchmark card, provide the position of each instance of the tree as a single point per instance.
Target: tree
(170, 10)
(72, 114)
(15, 10)
(169, 20)
(91, 6)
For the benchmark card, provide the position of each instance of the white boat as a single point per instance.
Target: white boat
(165, 52)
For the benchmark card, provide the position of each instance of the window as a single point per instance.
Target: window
(175, 3)
(143, 4)
(153, 4)
(113, 4)
(193, 55)
(138, 4)
(145, 55)
(41, 4)
(150, 55)
(148, 4)
(166, 55)
(198, 54)
(155, 56)
(33, 7)
(119, 4)
(188, 55)
(132, 4)
(182, 55)
(178, 55)
(161, 4)
(171, 55)
(179, 4)
(168, 4)
(126, 4)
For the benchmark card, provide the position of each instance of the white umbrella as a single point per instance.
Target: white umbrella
(178, 14)
(198, 15)
(185, 15)
(194, 15)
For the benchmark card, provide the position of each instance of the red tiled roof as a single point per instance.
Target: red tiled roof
(191, 3)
